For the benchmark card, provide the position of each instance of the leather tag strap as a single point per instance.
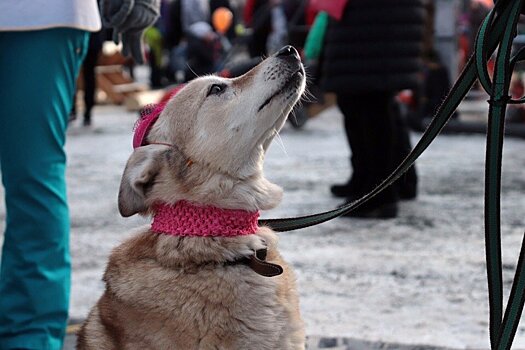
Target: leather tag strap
(257, 262)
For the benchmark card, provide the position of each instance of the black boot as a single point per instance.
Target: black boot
(355, 134)
(381, 211)
(406, 184)
(376, 150)
(355, 185)
(87, 120)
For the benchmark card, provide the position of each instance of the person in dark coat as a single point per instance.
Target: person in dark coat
(372, 53)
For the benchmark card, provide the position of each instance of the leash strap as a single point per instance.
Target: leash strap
(498, 29)
(498, 91)
(502, 332)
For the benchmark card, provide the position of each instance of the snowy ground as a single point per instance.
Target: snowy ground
(417, 279)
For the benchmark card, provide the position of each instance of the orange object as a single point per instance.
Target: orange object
(222, 19)
(486, 3)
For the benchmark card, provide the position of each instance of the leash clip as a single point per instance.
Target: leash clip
(500, 102)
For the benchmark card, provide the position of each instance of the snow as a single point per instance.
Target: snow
(416, 279)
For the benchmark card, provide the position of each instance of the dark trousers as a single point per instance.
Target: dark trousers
(88, 71)
(379, 141)
(89, 76)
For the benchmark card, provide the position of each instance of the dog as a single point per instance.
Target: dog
(198, 168)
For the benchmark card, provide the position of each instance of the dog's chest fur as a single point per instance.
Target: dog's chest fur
(160, 295)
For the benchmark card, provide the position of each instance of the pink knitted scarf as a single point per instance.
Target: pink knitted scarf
(186, 219)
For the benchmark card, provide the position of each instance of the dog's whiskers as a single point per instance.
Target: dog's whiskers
(307, 96)
(293, 114)
(191, 69)
(280, 142)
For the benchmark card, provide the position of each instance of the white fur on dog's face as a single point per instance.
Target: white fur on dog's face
(228, 123)
(224, 126)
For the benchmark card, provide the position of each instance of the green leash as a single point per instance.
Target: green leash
(498, 29)
(501, 331)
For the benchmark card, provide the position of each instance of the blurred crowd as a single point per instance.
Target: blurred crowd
(195, 37)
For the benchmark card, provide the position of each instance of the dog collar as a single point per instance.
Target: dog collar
(186, 219)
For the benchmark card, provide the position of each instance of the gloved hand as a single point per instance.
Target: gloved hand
(129, 19)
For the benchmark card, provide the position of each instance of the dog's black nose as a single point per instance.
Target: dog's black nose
(288, 50)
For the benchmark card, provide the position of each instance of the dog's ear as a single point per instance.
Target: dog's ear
(139, 176)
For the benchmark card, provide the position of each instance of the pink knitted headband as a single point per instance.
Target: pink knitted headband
(149, 116)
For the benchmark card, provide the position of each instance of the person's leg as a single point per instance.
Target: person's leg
(377, 129)
(380, 134)
(37, 71)
(88, 70)
(407, 183)
(153, 38)
(351, 107)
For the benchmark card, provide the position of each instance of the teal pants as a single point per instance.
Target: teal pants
(38, 70)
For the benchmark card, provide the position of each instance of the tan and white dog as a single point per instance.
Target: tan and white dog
(182, 293)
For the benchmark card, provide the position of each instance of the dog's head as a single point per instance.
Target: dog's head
(208, 144)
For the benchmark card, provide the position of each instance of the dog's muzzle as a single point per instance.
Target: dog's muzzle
(294, 66)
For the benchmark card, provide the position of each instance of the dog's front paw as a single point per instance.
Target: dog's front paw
(233, 248)
(248, 245)
(258, 243)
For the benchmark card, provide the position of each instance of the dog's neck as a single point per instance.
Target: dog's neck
(187, 219)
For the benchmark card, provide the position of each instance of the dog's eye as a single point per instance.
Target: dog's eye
(216, 89)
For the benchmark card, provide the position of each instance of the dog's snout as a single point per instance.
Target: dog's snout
(286, 51)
